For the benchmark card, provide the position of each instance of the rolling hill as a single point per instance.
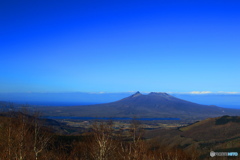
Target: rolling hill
(219, 134)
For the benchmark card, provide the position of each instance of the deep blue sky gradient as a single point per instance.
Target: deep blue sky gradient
(118, 46)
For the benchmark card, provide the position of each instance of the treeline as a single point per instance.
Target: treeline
(25, 137)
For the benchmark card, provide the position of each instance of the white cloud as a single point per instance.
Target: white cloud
(206, 92)
(96, 92)
(222, 92)
(200, 92)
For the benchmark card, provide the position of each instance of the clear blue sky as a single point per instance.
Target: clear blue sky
(119, 45)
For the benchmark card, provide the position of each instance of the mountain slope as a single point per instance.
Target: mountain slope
(212, 134)
(219, 128)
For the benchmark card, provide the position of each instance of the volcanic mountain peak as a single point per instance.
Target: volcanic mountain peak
(136, 94)
(159, 94)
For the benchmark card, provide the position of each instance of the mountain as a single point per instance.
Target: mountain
(154, 104)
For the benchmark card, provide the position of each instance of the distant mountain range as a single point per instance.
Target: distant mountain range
(154, 104)
(88, 98)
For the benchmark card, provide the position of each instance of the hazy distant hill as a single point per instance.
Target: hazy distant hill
(155, 104)
(52, 125)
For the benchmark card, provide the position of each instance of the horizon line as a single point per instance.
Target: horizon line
(146, 92)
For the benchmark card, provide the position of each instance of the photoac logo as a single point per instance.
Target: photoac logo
(213, 154)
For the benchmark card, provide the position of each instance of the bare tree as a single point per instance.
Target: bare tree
(103, 144)
(41, 137)
(135, 130)
(22, 135)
